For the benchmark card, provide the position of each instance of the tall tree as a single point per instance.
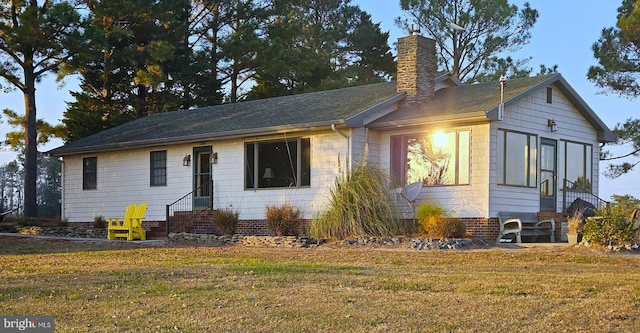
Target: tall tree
(136, 62)
(471, 35)
(44, 131)
(319, 44)
(618, 54)
(35, 39)
(228, 34)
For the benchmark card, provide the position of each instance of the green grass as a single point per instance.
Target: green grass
(122, 287)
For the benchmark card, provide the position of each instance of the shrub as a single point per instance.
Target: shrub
(360, 204)
(24, 221)
(99, 222)
(7, 227)
(226, 220)
(611, 226)
(434, 221)
(30, 230)
(283, 220)
(62, 223)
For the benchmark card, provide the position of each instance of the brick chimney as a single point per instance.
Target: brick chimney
(416, 67)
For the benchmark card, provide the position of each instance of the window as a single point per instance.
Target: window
(549, 95)
(578, 158)
(89, 173)
(273, 164)
(517, 159)
(158, 168)
(435, 159)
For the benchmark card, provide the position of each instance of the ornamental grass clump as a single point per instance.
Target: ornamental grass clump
(283, 220)
(360, 205)
(226, 221)
(574, 222)
(435, 222)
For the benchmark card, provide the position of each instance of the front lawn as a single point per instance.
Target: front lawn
(118, 287)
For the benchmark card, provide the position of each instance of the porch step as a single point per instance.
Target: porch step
(158, 231)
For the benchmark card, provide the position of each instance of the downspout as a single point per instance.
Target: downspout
(62, 186)
(333, 128)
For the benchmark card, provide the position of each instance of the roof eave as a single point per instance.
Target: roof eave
(458, 119)
(228, 135)
(604, 133)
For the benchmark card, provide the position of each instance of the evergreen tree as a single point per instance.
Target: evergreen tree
(317, 45)
(618, 54)
(137, 61)
(35, 39)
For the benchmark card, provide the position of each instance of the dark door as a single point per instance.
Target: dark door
(202, 187)
(548, 184)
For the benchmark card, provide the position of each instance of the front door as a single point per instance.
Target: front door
(202, 186)
(548, 184)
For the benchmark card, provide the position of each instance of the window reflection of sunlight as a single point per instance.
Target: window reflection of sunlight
(439, 139)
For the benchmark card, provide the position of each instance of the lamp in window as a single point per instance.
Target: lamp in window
(186, 161)
(552, 125)
(268, 175)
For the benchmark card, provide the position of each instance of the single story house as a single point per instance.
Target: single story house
(477, 149)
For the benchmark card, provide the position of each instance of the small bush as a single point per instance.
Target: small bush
(99, 222)
(24, 221)
(611, 226)
(32, 230)
(62, 223)
(434, 221)
(7, 227)
(283, 220)
(226, 221)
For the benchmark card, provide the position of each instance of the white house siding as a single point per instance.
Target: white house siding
(123, 178)
(464, 201)
(530, 115)
(228, 174)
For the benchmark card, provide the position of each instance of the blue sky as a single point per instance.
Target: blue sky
(563, 35)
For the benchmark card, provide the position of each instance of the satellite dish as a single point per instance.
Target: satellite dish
(411, 193)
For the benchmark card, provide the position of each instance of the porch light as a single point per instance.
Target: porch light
(552, 125)
(186, 161)
(214, 158)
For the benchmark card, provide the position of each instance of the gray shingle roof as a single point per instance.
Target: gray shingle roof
(272, 115)
(320, 110)
(461, 101)
(480, 101)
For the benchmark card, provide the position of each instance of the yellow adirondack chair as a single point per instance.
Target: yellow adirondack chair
(130, 226)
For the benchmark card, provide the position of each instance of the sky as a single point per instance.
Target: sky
(563, 35)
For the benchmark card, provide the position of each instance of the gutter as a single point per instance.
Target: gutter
(348, 161)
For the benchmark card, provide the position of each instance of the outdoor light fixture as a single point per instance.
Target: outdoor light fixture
(186, 161)
(552, 125)
(214, 158)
